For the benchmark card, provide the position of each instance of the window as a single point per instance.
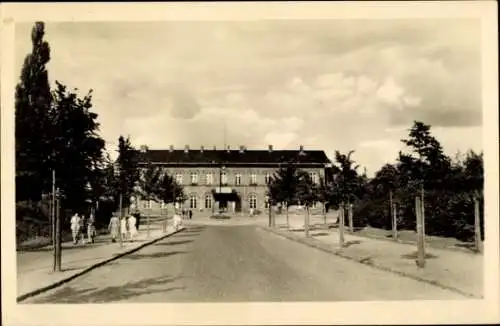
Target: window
(268, 177)
(208, 201)
(266, 204)
(192, 201)
(253, 201)
(224, 178)
(194, 178)
(237, 180)
(253, 179)
(147, 204)
(314, 177)
(178, 178)
(210, 178)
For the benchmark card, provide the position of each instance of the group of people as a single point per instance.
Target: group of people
(80, 224)
(127, 226)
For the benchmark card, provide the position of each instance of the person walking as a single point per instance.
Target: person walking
(91, 232)
(123, 227)
(190, 214)
(132, 227)
(114, 224)
(177, 221)
(75, 227)
(81, 229)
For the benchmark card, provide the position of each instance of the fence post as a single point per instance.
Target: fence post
(420, 233)
(477, 226)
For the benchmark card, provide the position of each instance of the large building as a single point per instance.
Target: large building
(231, 180)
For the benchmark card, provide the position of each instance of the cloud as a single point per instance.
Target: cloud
(337, 84)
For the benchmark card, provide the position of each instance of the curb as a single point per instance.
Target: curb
(369, 262)
(92, 267)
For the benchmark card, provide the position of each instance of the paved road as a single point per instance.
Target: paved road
(236, 263)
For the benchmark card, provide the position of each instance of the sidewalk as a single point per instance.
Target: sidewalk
(34, 267)
(458, 271)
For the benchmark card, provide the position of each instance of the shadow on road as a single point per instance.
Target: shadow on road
(111, 293)
(153, 255)
(173, 243)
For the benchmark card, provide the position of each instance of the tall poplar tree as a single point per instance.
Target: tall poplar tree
(33, 120)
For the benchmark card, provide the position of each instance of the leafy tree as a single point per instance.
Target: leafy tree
(78, 146)
(33, 121)
(307, 194)
(347, 184)
(282, 187)
(325, 192)
(128, 171)
(169, 191)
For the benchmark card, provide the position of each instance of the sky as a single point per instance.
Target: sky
(324, 84)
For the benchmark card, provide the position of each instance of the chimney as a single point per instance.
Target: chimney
(242, 149)
(186, 149)
(202, 148)
(270, 148)
(301, 148)
(171, 149)
(228, 148)
(215, 148)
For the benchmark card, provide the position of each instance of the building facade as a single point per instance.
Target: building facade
(230, 180)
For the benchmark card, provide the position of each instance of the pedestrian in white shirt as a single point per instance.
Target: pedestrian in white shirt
(132, 226)
(114, 224)
(75, 227)
(123, 227)
(177, 221)
(91, 232)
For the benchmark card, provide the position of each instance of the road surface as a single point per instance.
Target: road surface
(234, 264)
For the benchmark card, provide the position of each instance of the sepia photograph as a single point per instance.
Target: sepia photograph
(273, 160)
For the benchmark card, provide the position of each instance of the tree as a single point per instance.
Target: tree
(325, 192)
(282, 187)
(127, 165)
(33, 121)
(307, 194)
(169, 191)
(78, 147)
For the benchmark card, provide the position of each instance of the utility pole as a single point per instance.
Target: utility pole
(394, 222)
(120, 213)
(341, 225)
(420, 233)
(477, 225)
(53, 209)
(58, 231)
(351, 219)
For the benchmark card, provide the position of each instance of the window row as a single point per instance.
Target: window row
(207, 203)
(237, 178)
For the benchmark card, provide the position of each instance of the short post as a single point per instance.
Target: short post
(351, 219)
(394, 222)
(341, 225)
(477, 226)
(420, 233)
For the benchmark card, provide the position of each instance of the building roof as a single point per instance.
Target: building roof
(235, 157)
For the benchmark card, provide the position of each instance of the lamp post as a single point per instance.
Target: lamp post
(221, 172)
